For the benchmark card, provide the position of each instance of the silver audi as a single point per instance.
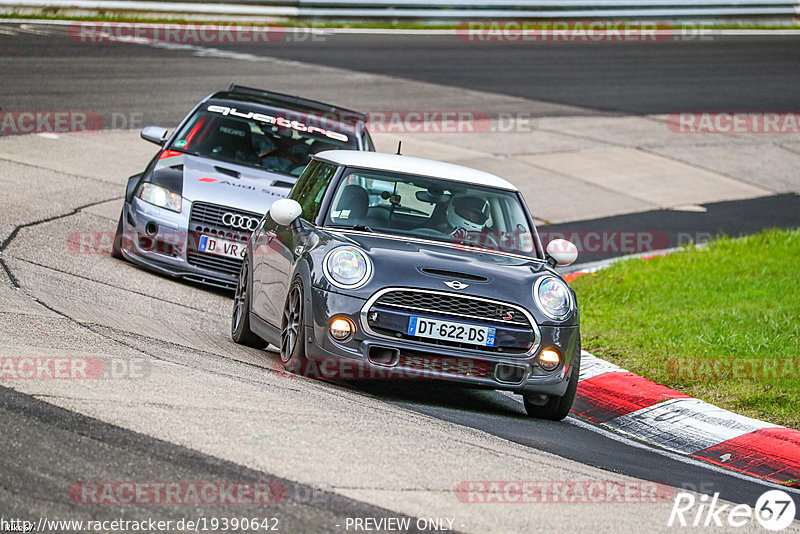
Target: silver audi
(191, 211)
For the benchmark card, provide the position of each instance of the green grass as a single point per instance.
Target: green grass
(54, 14)
(736, 299)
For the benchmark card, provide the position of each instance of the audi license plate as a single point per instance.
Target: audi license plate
(222, 247)
(450, 331)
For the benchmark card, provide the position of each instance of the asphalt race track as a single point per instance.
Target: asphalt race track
(206, 409)
(717, 73)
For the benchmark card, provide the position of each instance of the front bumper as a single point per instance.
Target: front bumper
(370, 356)
(165, 251)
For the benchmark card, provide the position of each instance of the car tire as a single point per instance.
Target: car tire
(556, 408)
(240, 317)
(293, 348)
(116, 247)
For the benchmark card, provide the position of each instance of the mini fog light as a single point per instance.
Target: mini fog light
(549, 359)
(341, 329)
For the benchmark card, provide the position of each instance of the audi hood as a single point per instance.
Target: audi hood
(197, 178)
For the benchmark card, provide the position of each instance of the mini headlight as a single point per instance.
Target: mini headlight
(553, 297)
(347, 267)
(163, 198)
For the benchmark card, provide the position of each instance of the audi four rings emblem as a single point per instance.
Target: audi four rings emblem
(239, 221)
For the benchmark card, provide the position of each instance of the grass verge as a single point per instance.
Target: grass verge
(721, 323)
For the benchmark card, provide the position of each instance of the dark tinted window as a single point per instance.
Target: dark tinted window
(311, 187)
(274, 143)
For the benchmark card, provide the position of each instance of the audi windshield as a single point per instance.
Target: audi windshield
(281, 144)
(431, 208)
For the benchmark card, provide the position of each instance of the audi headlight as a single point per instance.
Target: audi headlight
(163, 198)
(347, 267)
(553, 297)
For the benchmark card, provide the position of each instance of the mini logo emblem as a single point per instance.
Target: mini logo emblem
(455, 284)
(240, 221)
(509, 315)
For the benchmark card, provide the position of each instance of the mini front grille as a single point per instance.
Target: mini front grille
(455, 306)
(428, 363)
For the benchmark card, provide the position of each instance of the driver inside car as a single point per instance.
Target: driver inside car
(465, 214)
(467, 219)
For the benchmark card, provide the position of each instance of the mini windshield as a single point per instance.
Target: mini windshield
(258, 140)
(434, 209)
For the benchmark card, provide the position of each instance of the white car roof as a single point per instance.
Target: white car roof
(412, 165)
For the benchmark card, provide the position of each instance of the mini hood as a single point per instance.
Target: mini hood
(406, 263)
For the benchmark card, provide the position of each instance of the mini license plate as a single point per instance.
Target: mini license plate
(222, 247)
(451, 331)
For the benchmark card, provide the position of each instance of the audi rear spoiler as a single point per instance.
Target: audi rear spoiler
(300, 103)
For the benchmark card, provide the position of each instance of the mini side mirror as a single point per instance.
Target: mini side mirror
(562, 252)
(285, 211)
(155, 134)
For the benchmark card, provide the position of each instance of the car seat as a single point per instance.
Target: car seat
(354, 201)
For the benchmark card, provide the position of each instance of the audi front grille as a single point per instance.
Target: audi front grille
(211, 219)
(214, 263)
(208, 218)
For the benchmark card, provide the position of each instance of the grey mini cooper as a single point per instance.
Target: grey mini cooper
(388, 266)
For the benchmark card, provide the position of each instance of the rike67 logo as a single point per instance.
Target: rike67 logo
(774, 510)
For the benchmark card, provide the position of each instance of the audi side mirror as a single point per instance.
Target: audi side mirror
(561, 252)
(285, 211)
(155, 134)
